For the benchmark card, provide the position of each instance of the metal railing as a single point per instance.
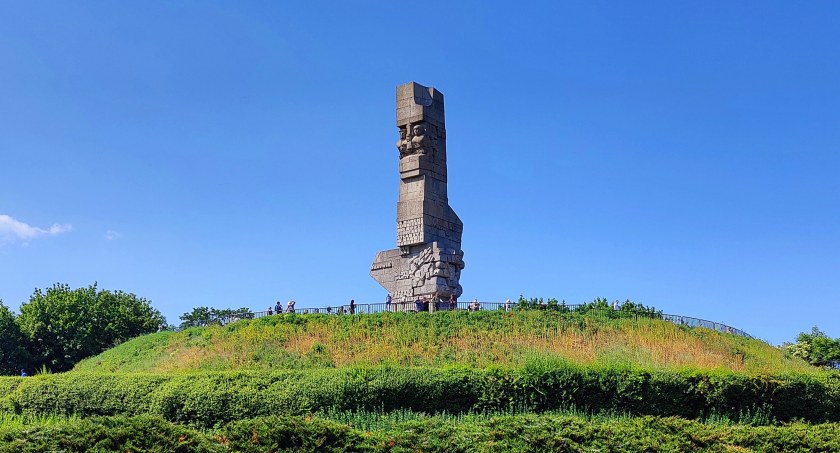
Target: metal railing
(412, 307)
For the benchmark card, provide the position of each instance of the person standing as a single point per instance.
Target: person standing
(453, 305)
(388, 302)
(290, 306)
(418, 304)
(269, 311)
(278, 307)
(508, 305)
(352, 306)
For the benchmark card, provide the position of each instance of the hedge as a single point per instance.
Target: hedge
(213, 399)
(432, 434)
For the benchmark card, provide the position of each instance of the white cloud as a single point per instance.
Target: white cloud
(111, 235)
(13, 230)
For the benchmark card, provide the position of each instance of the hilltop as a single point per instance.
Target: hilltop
(448, 381)
(445, 339)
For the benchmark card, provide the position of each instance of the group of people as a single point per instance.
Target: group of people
(278, 308)
(421, 303)
(290, 308)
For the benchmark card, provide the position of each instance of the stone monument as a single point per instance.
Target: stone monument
(428, 260)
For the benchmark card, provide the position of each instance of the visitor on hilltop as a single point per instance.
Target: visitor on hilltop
(270, 312)
(508, 305)
(418, 304)
(290, 306)
(616, 306)
(474, 305)
(352, 306)
(329, 310)
(278, 307)
(452, 303)
(388, 302)
(23, 373)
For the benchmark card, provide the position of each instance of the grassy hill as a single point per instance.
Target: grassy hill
(449, 381)
(476, 340)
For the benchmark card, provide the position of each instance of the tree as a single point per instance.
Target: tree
(816, 348)
(13, 354)
(205, 316)
(65, 325)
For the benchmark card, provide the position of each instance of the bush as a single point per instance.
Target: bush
(66, 325)
(213, 399)
(13, 354)
(151, 434)
(415, 432)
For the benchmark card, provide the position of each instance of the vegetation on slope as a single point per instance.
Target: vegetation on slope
(213, 398)
(60, 326)
(497, 381)
(566, 433)
(477, 340)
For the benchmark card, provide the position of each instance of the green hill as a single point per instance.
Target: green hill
(527, 380)
(475, 340)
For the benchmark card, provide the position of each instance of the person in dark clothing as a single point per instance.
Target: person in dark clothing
(352, 306)
(418, 304)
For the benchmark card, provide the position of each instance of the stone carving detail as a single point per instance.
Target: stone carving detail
(417, 139)
(429, 259)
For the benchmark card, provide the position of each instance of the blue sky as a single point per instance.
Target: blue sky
(680, 154)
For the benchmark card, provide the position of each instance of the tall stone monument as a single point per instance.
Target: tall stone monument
(428, 260)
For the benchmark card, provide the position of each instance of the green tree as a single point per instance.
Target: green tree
(205, 316)
(65, 325)
(816, 348)
(13, 354)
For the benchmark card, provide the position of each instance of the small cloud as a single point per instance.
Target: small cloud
(111, 235)
(14, 230)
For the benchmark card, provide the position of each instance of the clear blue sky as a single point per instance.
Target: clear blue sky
(683, 155)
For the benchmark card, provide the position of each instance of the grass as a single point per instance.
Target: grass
(477, 340)
(347, 366)
(16, 422)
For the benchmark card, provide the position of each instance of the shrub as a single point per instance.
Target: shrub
(213, 399)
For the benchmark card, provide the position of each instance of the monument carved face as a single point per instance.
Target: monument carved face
(418, 138)
(402, 143)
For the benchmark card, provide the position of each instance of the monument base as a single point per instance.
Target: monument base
(425, 270)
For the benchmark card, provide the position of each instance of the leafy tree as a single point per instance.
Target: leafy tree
(65, 325)
(600, 305)
(206, 316)
(816, 348)
(13, 354)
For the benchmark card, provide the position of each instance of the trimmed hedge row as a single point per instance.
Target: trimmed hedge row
(213, 399)
(501, 433)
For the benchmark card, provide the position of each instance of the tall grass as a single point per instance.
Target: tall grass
(16, 422)
(381, 420)
(442, 339)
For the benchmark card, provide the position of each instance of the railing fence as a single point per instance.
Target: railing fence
(484, 306)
